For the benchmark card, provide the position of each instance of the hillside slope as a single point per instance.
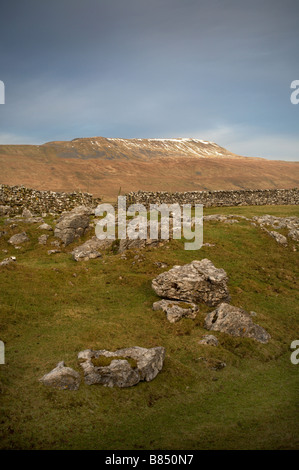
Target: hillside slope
(106, 166)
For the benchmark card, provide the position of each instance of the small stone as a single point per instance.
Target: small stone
(209, 340)
(62, 378)
(18, 238)
(7, 261)
(176, 310)
(42, 240)
(45, 227)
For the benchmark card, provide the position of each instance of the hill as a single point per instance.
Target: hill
(104, 166)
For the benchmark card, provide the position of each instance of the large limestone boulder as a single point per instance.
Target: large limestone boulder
(176, 309)
(18, 238)
(122, 368)
(72, 225)
(199, 281)
(90, 249)
(62, 378)
(235, 322)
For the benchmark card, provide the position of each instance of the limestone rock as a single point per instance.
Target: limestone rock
(89, 249)
(199, 281)
(45, 227)
(280, 239)
(18, 238)
(147, 363)
(72, 225)
(7, 261)
(235, 322)
(175, 310)
(209, 340)
(42, 240)
(294, 234)
(62, 378)
(27, 214)
(53, 252)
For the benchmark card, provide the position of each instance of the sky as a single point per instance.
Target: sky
(217, 70)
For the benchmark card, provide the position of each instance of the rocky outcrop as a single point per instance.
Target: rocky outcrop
(90, 249)
(62, 378)
(122, 368)
(176, 310)
(18, 238)
(72, 225)
(235, 322)
(199, 281)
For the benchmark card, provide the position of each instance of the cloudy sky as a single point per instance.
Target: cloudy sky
(217, 70)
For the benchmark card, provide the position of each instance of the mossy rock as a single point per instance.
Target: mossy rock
(104, 361)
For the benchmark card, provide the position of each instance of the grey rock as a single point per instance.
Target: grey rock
(294, 234)
(120, 373)
(175, 309)
(18, 238)
(89, 249)
(7, 261)
(199, 281)
(209, 340)
(45, 227)
(235, 322)
(62, 378)
(42, 240)
(159, 264)
(27, 214)
(72, 225)
(52, 252)
(280, 239)
(217, 217)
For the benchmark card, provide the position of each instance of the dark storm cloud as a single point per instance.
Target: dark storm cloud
(218, 70)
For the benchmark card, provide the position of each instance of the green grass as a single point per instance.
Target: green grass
(53, 307)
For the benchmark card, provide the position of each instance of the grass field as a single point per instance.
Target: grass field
(52, 307)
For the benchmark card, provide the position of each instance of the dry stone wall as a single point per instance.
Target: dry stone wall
(242, 197)
(17, 198)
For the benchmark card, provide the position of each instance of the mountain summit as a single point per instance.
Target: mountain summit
(107, 166)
